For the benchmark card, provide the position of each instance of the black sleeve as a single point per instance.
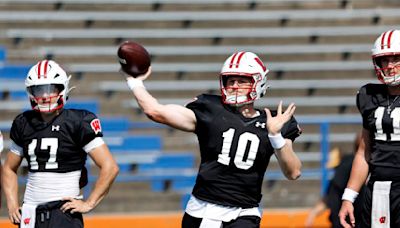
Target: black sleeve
(362, 101)
(196, 104)
(201, 108)
(15, 132)
(90, 128)
(369, 97)
(291, 130)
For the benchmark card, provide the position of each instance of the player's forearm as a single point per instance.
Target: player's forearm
(360, 168)
(103, 184)
(359, 173)
(289, 162)
(9, 180)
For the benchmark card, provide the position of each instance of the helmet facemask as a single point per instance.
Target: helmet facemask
(46, 98)
(246, 65)
(238, 90)
(387, 69)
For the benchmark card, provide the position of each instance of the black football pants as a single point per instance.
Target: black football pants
(49, 215)
(394, 206)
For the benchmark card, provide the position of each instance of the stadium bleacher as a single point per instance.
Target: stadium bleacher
(318, 52)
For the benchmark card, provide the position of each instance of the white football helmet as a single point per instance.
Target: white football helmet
(246, 64)
(387, 44)
(47, 86)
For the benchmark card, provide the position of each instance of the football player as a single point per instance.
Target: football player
(236, 143)
(55, 143)
(379, 105)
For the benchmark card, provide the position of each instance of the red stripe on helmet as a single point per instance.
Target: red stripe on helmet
(39, 64)
(46, 64)
(239, 58)
(261, 63)
(389, 38)
(383, 40)
(233, 58)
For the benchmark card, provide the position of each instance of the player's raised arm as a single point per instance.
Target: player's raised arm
(176, 116)
(135, 66)
(289, 162)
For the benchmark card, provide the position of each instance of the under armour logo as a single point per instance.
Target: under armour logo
(382, 219)
(258, 124)
(55, 128)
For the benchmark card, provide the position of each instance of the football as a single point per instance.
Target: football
(134, 58)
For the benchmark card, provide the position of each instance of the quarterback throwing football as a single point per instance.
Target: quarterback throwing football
(236, 143)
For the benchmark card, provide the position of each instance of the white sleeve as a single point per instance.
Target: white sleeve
(16, 149)
(96, 142)
(1, 143)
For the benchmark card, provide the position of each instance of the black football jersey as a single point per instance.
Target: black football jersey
(235, 152)
(56, 146)
(381, 116)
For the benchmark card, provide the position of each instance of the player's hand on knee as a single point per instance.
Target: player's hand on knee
(347, 209)
(75, 205)
(14, 214)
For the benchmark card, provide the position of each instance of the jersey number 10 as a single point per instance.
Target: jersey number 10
(244, 139)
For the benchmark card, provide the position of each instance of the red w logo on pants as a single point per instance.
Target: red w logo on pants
(27, 220)
(382, 219)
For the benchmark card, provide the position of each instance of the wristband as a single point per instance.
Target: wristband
(349, 195)
(1, 142)
(134, 83)
(277, 141)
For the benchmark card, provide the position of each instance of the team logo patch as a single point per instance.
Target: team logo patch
(27, 221)
(96, 126)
